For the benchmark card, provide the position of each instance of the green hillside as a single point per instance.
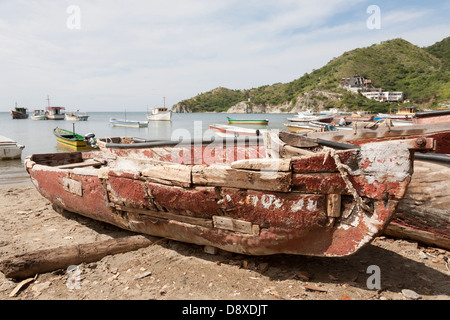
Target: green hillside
(441, 50)
(423, 74)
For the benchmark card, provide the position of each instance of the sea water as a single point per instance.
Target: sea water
(37, 135)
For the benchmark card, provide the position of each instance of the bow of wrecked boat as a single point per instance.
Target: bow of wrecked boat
(234, 197)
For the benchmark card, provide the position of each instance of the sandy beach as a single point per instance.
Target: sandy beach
(170, 270)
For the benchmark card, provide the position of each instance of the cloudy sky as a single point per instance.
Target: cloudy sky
(111, 55)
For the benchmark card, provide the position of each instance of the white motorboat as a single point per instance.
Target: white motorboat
(159, 114)
(38, 115)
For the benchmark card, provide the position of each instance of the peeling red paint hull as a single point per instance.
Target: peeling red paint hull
(244, 211)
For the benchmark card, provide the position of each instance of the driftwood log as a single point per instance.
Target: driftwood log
(29, 264)
(424, 214)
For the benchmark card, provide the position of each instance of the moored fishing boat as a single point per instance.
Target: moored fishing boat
(128, 123)
(76, 116)
(38, 115)
(247, 121)
(247, 204)
(19, 113)
(55, 113)
(160, 114)
(73, 140)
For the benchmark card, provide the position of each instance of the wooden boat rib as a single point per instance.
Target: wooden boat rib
(247, 204)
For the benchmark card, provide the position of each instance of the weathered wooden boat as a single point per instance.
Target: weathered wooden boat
(229, 195)
(10, 149)
(128, 123)
(376, 132)
(73, 140)
(247, 121)
(223, 130)
(160, 114)
(423, 215)
(431, 117)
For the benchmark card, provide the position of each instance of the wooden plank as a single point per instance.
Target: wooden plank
(168, 216)
(230, 224)
(225, 176)
(273, 144)
(298, 141)
(263, 164)
(334, 205)
(168, 171)
(86, 163)
(73, 186)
